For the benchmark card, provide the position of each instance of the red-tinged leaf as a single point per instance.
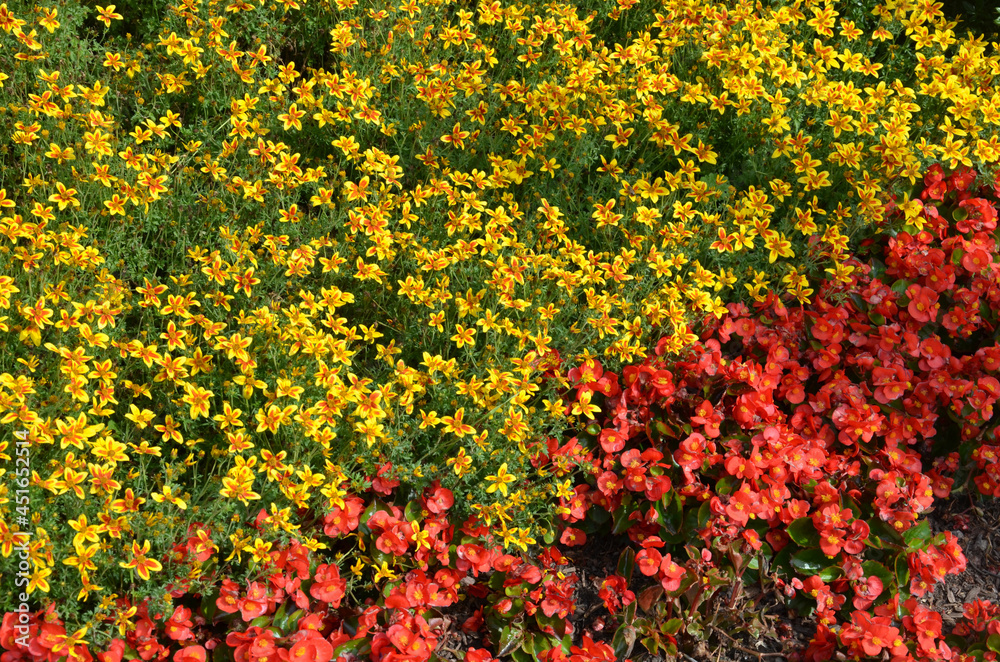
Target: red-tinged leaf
(623, 641)
(626, 563)
(510, 640)
(649, 597)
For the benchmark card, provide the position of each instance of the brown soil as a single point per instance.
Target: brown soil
(977, 527)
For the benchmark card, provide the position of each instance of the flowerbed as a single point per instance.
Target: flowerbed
(817, 490)
(268, 400)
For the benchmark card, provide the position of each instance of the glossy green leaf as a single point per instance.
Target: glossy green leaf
(809, 561)
(673, 626)
(803, 532)
(623, 641)
(902, 572)
(917, 537)
(626, 563)
(510, 640)
(359, 647)
(830, 573)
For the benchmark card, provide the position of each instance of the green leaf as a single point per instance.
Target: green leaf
(673, 626)
(621, 521)
(496, 580)
(902, 572)
(804, 532)
(782, 560)
(899, 287)
(704, 513)
(219, 654)
(558, 625)
(671, 512)
(528, 644)
(208, 607)
(955, 642)
(510, 640)
(883, 535)
(628, 616)
(520, 656)
(623, 641)
(830, 573)
(626, 563)
(412, 512)
(993, 643)
(917, 537)
(359, 647)
(292, 622)
(810, 561)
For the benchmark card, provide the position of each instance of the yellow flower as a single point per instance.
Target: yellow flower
(461, 463)
(259, 550)
(142, 564)
(384, 572)
(141, 417)
(464, 336)
(428, 420)
(583, 406)
(779, 246)
(421, 538)
(358, 568)
(500, 480)
(169, 496)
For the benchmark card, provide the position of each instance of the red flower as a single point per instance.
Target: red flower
(923, 306)
(608, 483)
(311, 648)
(573, 537)
(741, 505)
(592, 651)
(382, 485)
(663, 382)
(329, 586)
(671, 574)
(612, 441)
(195, 653)
(831, 541)
(867, 592)
(478, 655)
(341, 521)
(976, 260)
(440, 499)
(876, 636)
(614, 592)
(255, 603)
(228, 600)
(179, 625)
(649, 561)
(115, 652)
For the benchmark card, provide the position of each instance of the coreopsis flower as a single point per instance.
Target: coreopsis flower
(500, 480)
(142, 564)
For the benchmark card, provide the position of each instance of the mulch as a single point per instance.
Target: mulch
(976, 525)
